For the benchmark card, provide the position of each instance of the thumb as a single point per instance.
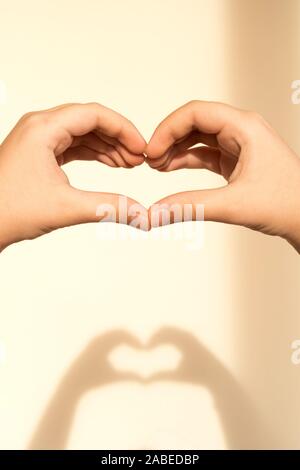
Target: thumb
(87, 206)
(217, 205)
(162, 376)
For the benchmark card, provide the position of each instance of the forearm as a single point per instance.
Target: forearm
(54, 427)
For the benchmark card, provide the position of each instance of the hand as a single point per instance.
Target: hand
(239, 416)
(35, 194)
(92, 368)
(197, 364)
(263, 173)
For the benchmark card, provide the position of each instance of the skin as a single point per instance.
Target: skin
(36, 196)
(262, 172)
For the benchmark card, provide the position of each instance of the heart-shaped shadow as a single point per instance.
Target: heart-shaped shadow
(145, 362)
(186, 360)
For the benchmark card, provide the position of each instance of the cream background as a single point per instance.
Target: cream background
(239, 294)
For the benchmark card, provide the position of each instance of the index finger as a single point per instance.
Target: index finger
(79, 119)
(206, 117)
(168, 334)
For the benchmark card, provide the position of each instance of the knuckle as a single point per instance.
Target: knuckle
(95, 105)
(253, 124)
(128, 122)
(26, 116)
(193, 104)
(33, 119)
(254, 117)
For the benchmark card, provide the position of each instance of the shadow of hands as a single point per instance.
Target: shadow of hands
(241, 421)
(197, 364)
(92, 369)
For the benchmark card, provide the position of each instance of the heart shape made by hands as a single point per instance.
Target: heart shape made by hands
(145, 361)
(191, 137)
(170, 353)
(185, 360)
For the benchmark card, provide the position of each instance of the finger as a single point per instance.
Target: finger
(116, 337)
(183, 146)
(115, 151)
(195, 137)
(219, 205)
(131, 158)
(167, 334)
(206, 117)
(128, 376)
(91, 141)
(162, 376)
(60, 106)
(196, 158)
(184, 341)
(202, 158)
(84, 153)
(79, 119)
(77, 207)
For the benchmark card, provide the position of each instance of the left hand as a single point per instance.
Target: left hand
(35, 194)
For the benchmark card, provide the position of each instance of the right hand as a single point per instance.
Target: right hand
(263, 173)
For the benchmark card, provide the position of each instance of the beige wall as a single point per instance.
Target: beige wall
(65, 297)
